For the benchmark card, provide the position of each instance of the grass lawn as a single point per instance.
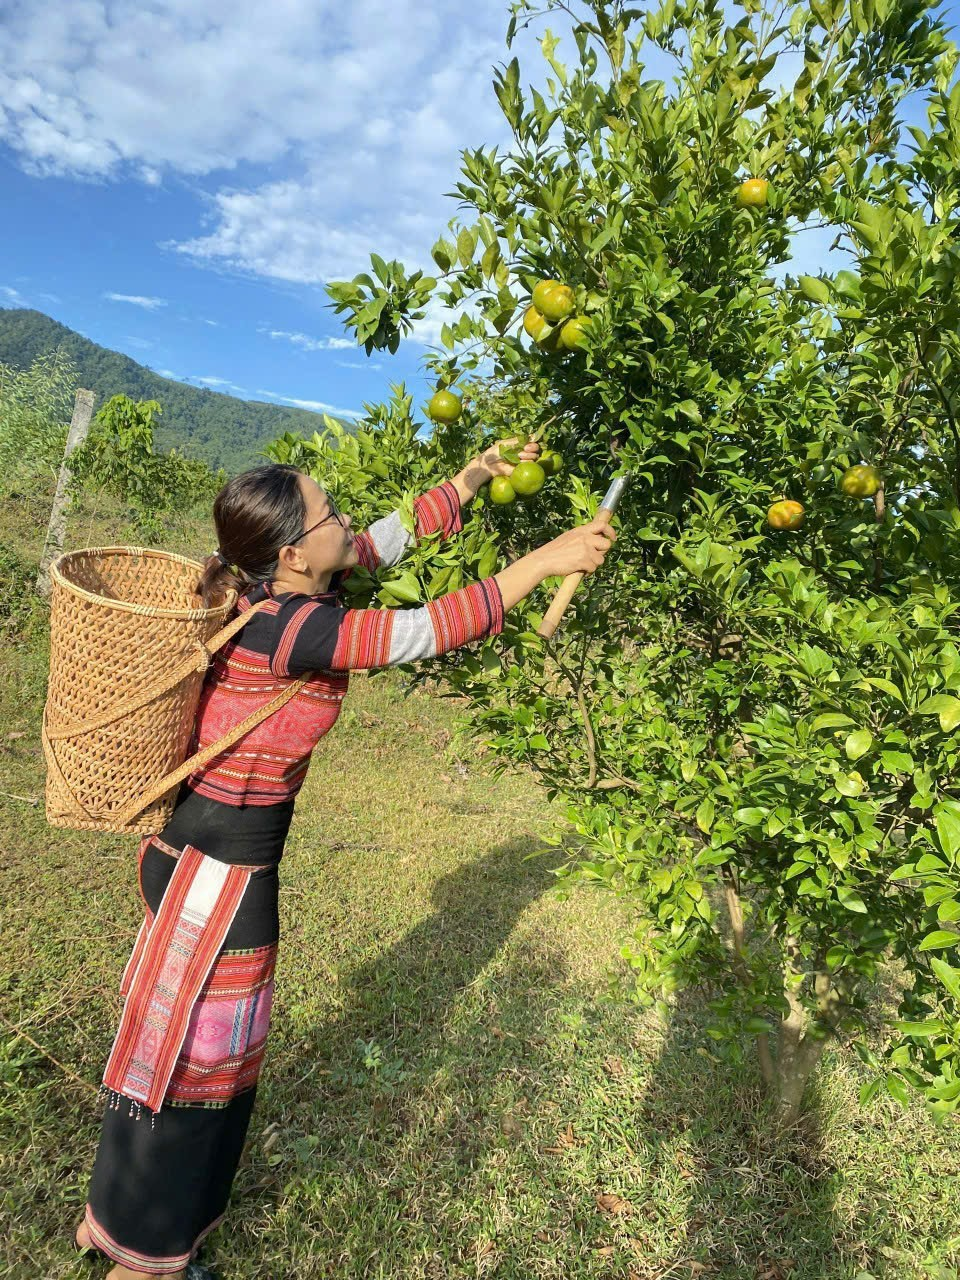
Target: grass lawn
(449, 1090)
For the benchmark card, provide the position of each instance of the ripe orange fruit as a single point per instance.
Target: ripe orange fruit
(861, 481)
(785, 514)
(752, 194)
(558, 302)
(534, 324)
(501, 491)
(527, 478)
(444, 406)
(573, 332)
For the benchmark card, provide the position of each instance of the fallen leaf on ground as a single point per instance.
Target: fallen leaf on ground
(612, 1203)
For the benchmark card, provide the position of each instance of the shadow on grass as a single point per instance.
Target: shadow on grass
(389, 1123)
(759, 1200)
(387, 1097)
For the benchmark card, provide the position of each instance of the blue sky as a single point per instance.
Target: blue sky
(178, 187)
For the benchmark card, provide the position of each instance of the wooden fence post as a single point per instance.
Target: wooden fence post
(56, 529)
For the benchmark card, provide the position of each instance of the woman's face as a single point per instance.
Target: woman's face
(328, 544)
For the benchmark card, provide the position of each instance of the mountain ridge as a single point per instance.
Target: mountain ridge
(221, 430)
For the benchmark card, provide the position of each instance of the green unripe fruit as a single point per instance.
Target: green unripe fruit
(528, 478)
(444, 406)
(551, 461)
(501, 491)
(574, 331)
(558, 302)
(534, 324)
(541, 292)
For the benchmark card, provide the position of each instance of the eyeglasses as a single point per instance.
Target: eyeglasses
(334, 514)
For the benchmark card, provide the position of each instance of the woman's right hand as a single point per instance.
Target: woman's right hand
(579, 550)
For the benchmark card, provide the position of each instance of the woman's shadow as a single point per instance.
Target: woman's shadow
(411, 1020)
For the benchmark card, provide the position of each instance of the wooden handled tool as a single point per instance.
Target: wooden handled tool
(558, 606)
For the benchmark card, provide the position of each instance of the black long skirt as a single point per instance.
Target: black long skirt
(161, 1181)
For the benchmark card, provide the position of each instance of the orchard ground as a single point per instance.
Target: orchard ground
(447, 1091)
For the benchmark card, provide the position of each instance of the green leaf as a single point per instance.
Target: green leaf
(849, 784)
(538, 742)
(938, 940)
(949, 976)
(858, 743)
(814, 288)
(750, 817)
(946, 707)
(466, 246)
(705, 814)
(897, 1089)
(932, 1027)
(868, 1090)
(851, 899)
(831, 720)
(947, 817)
(757, 1026)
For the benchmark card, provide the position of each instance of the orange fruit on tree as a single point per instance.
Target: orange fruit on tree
(557, 302)
(574, 331)
(528, 478)
(861, 481)
(786, 514)
(502, 491)
(444, 406)
(752, 194)
(534, 323)
(541, 292)
(551, 461)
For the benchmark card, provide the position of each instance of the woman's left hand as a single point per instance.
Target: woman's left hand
(491, 462)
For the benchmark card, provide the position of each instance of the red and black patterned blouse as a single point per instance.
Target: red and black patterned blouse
(294, 635)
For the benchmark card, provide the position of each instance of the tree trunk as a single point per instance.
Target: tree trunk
(56, 529)
(802, 1038)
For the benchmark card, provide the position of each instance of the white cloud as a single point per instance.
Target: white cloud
(219, 384)
(141, 343)
(14, 297)
(137, 300)
(317, 406)
(168, 373)
(345, 121)
(311, 344)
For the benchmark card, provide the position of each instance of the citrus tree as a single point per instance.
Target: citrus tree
(751, 713)
(118, 458)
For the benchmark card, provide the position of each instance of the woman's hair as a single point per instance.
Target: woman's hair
(255, 514)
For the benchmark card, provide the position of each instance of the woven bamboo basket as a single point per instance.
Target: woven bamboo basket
(129, 645)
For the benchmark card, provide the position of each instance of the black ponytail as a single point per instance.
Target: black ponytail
(255, 514)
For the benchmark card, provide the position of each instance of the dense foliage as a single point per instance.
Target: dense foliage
(757, 732)
(35, 407)
(118, 458)
(220, 430)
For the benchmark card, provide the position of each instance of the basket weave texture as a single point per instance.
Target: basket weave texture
(128, 654)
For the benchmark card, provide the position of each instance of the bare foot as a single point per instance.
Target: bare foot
(82, 1236)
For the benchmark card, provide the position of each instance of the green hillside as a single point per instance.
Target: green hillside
(222, 430)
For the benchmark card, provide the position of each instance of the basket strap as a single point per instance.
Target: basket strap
(200, 758)
(197, 661)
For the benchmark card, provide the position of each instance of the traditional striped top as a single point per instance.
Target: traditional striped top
(294, 635)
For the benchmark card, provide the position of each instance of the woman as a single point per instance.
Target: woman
(182, 1074)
